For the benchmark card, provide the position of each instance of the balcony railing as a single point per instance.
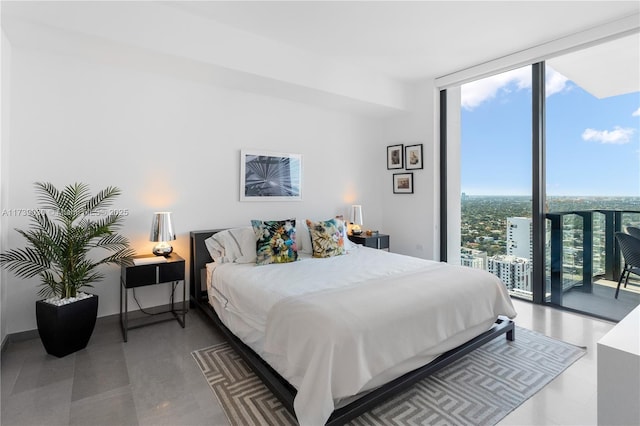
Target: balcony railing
(591, 240)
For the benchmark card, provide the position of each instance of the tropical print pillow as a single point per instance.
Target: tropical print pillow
(276, 241)
(327, 237)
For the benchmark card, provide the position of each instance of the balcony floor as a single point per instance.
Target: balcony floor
(601, 301)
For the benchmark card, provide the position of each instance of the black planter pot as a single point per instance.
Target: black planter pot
(66, 329)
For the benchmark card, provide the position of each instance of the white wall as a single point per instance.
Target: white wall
(412, 220)
(5, 61)
(174, 145)
(454, 192)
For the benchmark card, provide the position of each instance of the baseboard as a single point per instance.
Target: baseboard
(18, 337)
(33, 334)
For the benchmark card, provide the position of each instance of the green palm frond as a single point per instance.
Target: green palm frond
(117, 257)
(42, 221)
(63, 234)
(48, 196)
(50, 286)
(112, 242)
(44, 244)
(103, 198)
(73, 197)
(103, 226)
(25, 262)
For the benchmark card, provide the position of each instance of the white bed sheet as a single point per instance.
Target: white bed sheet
(244, 297)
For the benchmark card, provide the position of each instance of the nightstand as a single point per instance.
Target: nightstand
(376, 241)
(143, 271)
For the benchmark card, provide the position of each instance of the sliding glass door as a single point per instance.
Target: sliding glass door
(593, 177)
(549, 171)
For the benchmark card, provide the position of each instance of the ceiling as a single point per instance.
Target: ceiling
(362, 56)
(416, 39)
(592, 68)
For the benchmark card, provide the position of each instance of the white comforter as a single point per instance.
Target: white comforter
(332, 326)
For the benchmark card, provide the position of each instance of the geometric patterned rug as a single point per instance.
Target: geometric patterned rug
(479, 389)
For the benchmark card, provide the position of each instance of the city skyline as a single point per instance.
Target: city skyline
(593, 145)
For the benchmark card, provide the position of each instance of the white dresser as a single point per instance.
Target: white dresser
(619, 373)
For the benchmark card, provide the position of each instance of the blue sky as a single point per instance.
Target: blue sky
(593, 145)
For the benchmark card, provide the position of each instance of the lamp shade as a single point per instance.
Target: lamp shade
(161, 232)
(356, 215)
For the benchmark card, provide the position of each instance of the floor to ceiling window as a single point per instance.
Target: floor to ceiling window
(587, 183)
(495, 181)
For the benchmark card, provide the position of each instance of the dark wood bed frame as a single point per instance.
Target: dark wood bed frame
(284, 391)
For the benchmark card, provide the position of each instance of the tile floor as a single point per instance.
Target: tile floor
(153, 380)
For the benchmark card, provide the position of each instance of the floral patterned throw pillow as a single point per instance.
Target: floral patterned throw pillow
(276, 241)
(327, 237)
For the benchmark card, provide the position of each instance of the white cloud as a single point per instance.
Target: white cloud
(555, 82)
(636, 113)
(616, 136)
(477, 92)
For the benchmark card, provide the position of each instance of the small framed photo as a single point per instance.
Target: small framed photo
(403, 183)
(413, 157)
(394, 157)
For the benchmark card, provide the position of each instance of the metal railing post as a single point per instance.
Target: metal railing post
(609, 245)
(556, 257)
(617, 257)
(587, 250)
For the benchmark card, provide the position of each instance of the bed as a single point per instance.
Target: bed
(318, 347)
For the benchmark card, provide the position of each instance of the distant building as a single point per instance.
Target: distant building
(473, 258)
(520, 237)
(484, 239)
(515, 272)
(514, 268)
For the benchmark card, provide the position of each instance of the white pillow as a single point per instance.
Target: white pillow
(236, 245)
(303, 238)
(348, 244)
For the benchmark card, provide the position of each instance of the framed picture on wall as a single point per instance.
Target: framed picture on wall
(403, 183)
(395, 157)
(413, 157)
(270, 176)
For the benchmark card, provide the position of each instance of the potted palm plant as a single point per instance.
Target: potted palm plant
(61, 248)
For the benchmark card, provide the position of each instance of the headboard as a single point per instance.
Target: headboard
(199, 258)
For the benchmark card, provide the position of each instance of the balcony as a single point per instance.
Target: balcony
(584, 262)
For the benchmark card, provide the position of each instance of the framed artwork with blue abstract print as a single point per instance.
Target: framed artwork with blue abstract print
(270, 176)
